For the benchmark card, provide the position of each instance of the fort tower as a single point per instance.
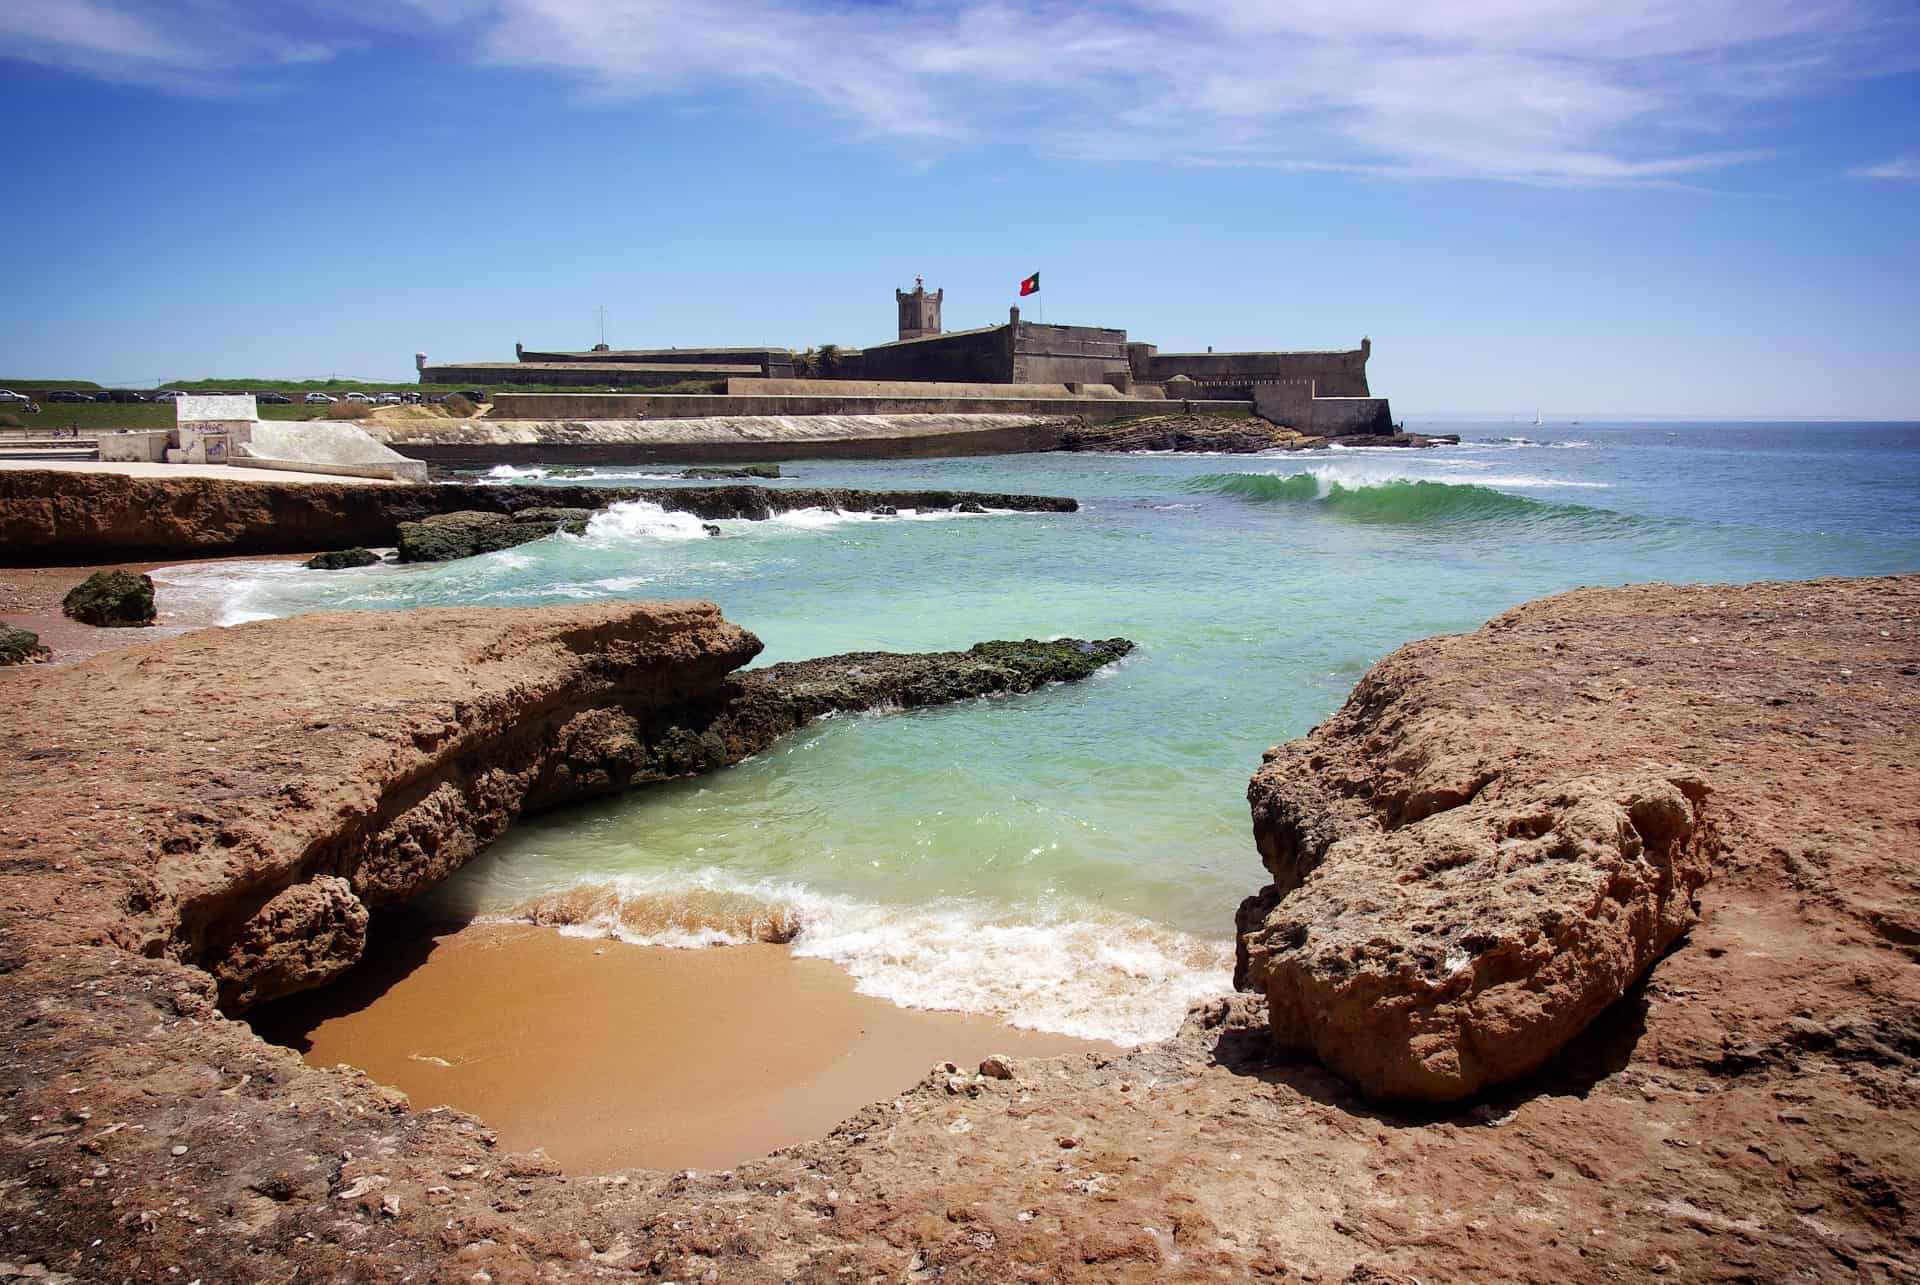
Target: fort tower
(919, 311)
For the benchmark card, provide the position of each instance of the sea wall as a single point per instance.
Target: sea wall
(60, 517)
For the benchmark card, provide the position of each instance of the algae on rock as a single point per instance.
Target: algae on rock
(118, 599)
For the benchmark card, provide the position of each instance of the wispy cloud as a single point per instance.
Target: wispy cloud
(1907, 166)
(1535, 91)
(190, 47)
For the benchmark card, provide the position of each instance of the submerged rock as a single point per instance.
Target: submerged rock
(113, 599)
(462, 535)
(20, 646)
(342, 560)
(744, 472)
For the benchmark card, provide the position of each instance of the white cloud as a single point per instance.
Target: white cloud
(1544, 91)
(1907, 166)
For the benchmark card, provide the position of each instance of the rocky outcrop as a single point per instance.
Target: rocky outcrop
(20, 646)
(343, 762)
(462, 535)
(726, 474)
(113, 599)
(1213, 434)
(342, 560)
(56, 517)
(1217, 434)
(1457, 893)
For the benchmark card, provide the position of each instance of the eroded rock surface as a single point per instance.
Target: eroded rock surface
(1749, 1113)
(447, 536)
(1214, 434)
(47, 516)
(342, 560)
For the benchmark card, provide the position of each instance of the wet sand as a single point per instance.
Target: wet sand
(613, 1056)
(30, 599)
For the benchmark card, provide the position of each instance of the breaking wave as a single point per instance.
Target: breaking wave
(1390, 499)
(636, 520)
(1080, 972)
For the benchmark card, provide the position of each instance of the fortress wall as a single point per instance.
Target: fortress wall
(1285, 401)
(633, 406)
(965, 356)
(1337, 374)
(1066, 354)
(1344, 416)
(887, 388)
(577, 375)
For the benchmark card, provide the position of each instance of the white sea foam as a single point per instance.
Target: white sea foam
(633, 521)
(1075, 971)
(510, 473)
(1358, 476)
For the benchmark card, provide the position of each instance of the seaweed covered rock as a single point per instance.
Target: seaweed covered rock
(20, 646)
(117, 599)
(462, 535)
(342, 560)
(743, 472)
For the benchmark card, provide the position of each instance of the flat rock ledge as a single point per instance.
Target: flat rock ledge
(51, 517)
(254, 792)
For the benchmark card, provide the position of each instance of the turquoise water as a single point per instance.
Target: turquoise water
(1071, 860)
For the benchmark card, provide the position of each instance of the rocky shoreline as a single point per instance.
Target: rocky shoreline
(1224, 435)
(47, 516)
(1747, 1111)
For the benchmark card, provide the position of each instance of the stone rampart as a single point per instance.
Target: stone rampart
(1335, 374)
(982, 356)
(1347, 416)
(1067, 354)
(583, 374)
(906, 388)
(633, 406)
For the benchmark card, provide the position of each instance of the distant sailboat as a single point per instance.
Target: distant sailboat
(1536, 418)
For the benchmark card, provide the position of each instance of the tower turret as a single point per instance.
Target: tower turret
(919, 311)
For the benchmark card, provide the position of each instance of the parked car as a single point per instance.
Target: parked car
(318, 399)
(358, 397)
(67, 395)
(438, 399)
(387, 399)
(474, 395)
(8, 395)
(168, 395)
(411, 399)
(273, 399)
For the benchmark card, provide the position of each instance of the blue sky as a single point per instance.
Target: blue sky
(1632, 206)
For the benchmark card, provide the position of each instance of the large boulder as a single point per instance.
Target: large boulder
(20, 646)
(462, 535)
(1467, 866)
(111, 598)
(1432, 961)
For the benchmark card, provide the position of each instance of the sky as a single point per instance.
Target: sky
(1589, 207)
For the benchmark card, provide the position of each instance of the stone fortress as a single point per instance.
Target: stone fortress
(1018, 361)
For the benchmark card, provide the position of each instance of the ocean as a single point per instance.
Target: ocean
(1070, 860)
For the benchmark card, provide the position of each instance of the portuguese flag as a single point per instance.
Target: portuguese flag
(1030, 286)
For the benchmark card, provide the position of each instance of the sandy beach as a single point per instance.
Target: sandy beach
(611, 1056)
(30, 599)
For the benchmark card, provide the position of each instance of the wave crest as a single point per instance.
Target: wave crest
(1077, 971)
(1392, 499)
